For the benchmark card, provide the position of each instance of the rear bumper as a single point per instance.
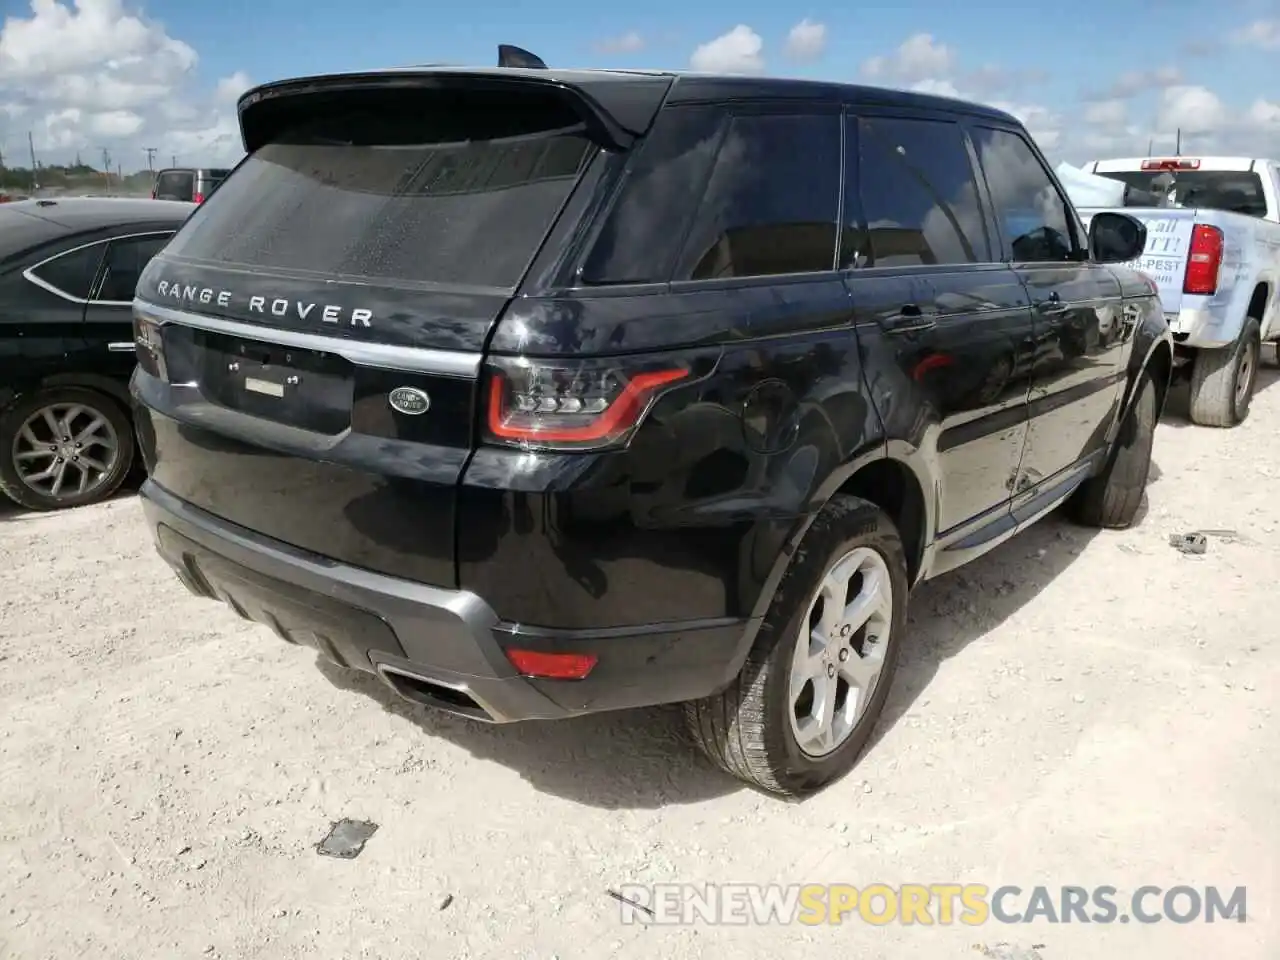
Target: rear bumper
(1200, 328)
(439, 647)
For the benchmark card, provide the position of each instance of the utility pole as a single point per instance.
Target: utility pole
(1177, 152)
(151, 152)
(174, 158)
(106, 166)
(1150, 142)
(35, 176)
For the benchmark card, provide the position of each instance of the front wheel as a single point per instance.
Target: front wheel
(64, 447)
(1113, 497)
(1223, 380)
(803, 708)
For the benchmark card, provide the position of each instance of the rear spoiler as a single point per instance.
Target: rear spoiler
(617, 109)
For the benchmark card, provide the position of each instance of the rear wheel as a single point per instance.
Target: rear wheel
(1223, 380)
(804, 706)
(1112, 498)
(64, 447)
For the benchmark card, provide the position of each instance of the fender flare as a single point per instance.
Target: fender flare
(107, 385)
(895, 451)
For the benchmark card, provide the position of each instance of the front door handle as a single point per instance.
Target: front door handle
(909, 319)
(1051, 305)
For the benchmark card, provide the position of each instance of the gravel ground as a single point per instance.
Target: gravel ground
(1074, 709)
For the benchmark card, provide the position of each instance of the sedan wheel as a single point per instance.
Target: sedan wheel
(66, 447)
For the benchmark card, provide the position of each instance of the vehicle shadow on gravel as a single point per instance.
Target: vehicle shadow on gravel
(640, 759)
(949, 613)
(11, 511)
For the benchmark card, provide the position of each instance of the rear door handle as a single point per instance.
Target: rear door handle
(907, 320)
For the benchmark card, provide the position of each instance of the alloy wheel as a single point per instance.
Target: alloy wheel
(840, 652)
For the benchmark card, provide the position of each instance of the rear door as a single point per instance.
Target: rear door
(365, 251)
(109, 315)
(1077, 310)
(946, 329)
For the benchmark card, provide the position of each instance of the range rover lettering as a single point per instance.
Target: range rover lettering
(719, 369)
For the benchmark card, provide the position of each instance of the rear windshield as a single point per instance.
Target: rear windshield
(176, 184)
(446, 188)
(1230, 190)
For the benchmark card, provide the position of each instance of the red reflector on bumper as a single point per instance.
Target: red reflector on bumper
(552, 666)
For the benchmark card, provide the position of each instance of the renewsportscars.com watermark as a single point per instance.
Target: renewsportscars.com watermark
(924, 904)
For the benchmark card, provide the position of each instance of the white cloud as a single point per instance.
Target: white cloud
(629, 42)
(919, 58)
(84, 74)
(739, 51)
(1133, 82)
(229, 89)
(1264, 113)
(1191, 109)
(1106, 113)
(1260, 33)
(806, 41)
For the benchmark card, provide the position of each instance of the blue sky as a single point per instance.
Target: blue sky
(1075, 50)
(1212, 67)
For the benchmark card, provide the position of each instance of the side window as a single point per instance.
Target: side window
(1033, 214)
(662, 187)
(771, 204)
(72, 273)
(126, 260)
(918, 195)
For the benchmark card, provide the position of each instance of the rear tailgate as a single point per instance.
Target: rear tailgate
(1164, 259)
(369, 245)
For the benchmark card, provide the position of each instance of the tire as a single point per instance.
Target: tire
(95, 420)
(750, 730)
(1112, 498)
(1223, 380)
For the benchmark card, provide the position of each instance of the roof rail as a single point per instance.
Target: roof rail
(511, 56)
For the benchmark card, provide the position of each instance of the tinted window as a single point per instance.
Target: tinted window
(175, 186)
(919, 198)
(457, 187)
(126, 259)
(771, 203)
(662, 187)
(73, 272)
(1032, 213)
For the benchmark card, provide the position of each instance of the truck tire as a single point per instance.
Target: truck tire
(1223, 380)
(1112, 498)
(803, 707)
(64, 447)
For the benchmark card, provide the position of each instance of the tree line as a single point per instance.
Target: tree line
(74, 177)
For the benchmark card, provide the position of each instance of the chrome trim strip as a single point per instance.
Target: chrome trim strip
(121, 347)
(447, 363)
(30, 276)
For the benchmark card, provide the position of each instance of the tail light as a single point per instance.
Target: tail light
(575, 405)
(552, 666)
(1203, 261)
(153, 194)
(148, 342)
(199, 198)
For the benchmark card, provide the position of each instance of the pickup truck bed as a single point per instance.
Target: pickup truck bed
(1217, 266)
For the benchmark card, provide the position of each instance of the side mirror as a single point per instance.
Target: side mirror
(1116, 238)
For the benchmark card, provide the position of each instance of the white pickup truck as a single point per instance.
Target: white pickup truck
(1213, 249)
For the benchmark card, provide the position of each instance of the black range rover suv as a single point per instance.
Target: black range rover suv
(543, 392)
